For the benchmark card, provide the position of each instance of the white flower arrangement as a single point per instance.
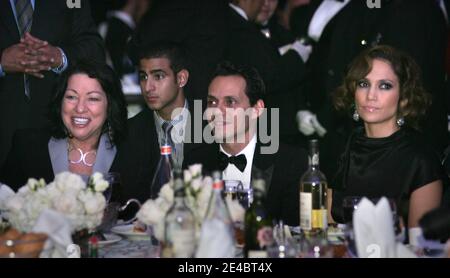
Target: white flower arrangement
(198, 190)
(68, 194)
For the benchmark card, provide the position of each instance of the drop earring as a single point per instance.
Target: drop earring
(400, 121)
(355, 115)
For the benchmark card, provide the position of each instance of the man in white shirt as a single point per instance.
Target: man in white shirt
(235, 102)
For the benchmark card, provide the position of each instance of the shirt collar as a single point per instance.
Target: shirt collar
(248, 151)
(175, 121)
(239, 11)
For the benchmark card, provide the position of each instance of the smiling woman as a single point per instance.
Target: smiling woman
(88, 115)
(387, 155)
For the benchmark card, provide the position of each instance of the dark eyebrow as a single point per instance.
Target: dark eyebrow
(387, 80)
(96, 92)
(69, 89)
(157, 71)
(212, 97)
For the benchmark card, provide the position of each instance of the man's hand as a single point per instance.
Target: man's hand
(44, 54)
(14, 59)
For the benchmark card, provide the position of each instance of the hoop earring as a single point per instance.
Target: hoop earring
(400, 121)
(355, 115)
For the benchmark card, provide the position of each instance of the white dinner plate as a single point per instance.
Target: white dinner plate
(127, 231)
(109, 238)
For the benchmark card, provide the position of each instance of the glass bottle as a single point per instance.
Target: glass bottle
(163, 173)
(217, 207)
(258, 223)
(313, 195)
(179, 225)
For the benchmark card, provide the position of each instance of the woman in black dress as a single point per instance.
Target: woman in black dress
(386, 156)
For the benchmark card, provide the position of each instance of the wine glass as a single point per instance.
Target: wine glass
(113, 179)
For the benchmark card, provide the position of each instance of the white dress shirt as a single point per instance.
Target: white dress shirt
(233, 173)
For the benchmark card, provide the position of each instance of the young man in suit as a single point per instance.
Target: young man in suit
(235, 103)
(163, 75)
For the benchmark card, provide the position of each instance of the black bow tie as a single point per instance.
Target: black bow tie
(239, 161)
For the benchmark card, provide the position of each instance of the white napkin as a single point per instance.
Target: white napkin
(57, 227)
(216, 241)
(374, 231)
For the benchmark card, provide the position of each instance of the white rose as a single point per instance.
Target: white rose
(196, 184)
(32, 184)
(94, 203)
(151, 212)
(66, 203)
(187, 176)
(69, 181)
(101, 186)
(167, 193)
(97, 177)
(195, 169)
(15, 203)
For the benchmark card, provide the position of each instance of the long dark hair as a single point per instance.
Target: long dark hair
(116, 117)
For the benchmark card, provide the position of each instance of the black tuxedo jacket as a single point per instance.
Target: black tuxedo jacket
(138, 156)
(282, 172)
(247, 45)
(70, 29)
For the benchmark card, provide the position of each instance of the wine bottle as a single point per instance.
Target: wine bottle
(258, 223)
(179, 225)
(313, 195)
(163, 173)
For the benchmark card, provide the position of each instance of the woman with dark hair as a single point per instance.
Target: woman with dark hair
(386, 156)
(88, 115)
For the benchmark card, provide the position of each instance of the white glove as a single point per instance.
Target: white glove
(318, 127)
(308, 123)
(305, 122)
(303, 50)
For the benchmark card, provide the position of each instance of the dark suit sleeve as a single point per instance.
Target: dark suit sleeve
(11, 173)
(84, 42)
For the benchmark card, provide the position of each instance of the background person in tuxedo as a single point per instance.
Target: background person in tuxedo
(89, 118)
(233, 92)
(163, 74)
(58, 36)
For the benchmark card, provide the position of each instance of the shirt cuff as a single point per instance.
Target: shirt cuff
(64, 63)
(2, 73)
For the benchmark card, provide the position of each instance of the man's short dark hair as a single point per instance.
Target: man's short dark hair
(172, 51)
(254, 84)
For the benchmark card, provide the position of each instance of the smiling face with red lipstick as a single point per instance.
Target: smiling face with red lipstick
(377, 98)
(84, 108)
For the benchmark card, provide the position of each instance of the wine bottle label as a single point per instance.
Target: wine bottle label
(257, 254)
(305, 210)
(319, 219)
(183, 243)
(166, 150)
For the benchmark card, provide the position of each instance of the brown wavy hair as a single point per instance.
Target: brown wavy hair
(416, 100)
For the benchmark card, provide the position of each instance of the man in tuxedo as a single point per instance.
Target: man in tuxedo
(247, 45)
(166, 118)
(235, 103)
(39, 39)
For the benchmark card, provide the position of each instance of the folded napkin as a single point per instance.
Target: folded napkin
(374, 231)
(57, 227)
(216, 240)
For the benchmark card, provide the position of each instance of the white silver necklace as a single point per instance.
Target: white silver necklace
(83, 156)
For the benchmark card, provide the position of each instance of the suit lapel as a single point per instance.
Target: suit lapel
(105, 155)
(7, 16)
(264, 165)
